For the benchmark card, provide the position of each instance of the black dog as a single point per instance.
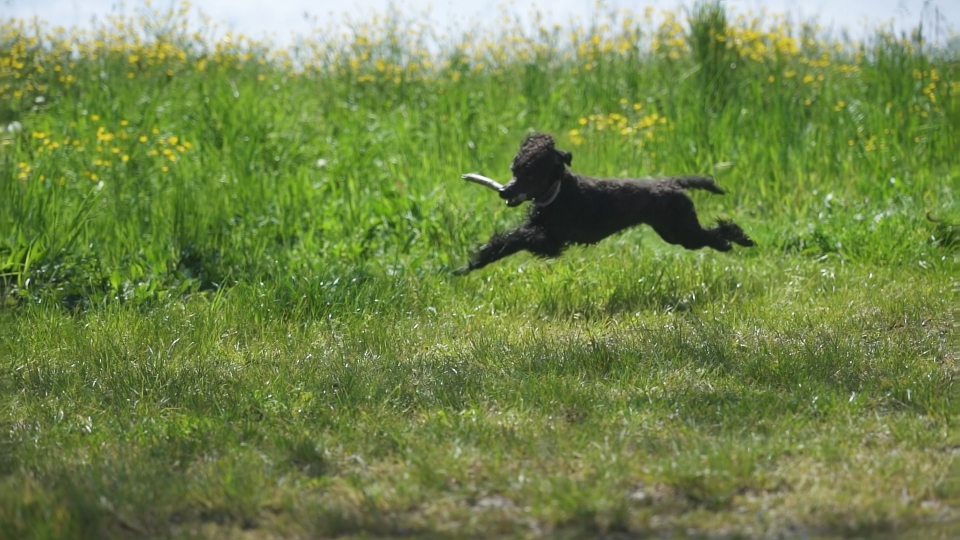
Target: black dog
(570, 208)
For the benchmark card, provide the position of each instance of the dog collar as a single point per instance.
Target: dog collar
(551, 195)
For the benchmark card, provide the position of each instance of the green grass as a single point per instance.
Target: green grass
(242, 322)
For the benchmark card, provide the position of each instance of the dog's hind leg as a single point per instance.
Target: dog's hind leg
(732, 232)
(534, 240)
(692, 236)
(677, 224)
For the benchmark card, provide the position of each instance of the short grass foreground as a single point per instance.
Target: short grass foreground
(228, 307)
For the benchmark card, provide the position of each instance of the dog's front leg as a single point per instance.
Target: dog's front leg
(534, 240)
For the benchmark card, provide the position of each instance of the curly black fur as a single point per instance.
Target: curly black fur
(587, 210)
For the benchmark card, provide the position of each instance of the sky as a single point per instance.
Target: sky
(281, 19)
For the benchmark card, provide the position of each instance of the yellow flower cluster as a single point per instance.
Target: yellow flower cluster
(391, 49)
(156, 43)
(23, 170)
(869, 143)
(632, 123)
(16, 63)
(930, 89)
(106, 148)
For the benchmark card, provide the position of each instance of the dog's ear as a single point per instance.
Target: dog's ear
(567, 157)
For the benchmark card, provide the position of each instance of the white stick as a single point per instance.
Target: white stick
(483, 181)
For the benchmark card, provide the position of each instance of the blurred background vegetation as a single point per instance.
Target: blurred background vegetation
(143, 158)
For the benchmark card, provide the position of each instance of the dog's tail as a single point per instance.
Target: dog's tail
(699, 182)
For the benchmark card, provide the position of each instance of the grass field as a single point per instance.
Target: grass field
(228, 308)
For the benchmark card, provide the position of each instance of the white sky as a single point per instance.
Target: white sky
(281, 18)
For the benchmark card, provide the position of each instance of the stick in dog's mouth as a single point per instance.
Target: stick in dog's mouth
(483, 181)
(494, 185)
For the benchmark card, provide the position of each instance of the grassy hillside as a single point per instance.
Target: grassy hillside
(228, 307)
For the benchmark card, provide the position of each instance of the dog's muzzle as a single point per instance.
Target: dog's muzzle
(513, 199)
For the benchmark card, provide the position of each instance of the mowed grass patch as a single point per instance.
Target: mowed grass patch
(741, 415)
(228, 307)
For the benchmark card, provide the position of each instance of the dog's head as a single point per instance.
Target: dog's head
(537, 166)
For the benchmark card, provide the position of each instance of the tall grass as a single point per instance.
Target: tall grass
(230, 160)
(227, 304)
